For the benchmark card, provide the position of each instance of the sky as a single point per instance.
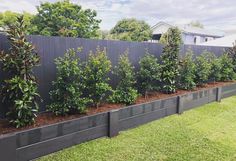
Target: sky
(213, 14)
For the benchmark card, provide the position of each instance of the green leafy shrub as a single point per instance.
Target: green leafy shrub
(149, 74)
(68, 88)
(169, 59)
(20, 89)
(232, 54)
(227, 70)
(125, 91)
(96, 70)
(216, 66)
(203, 67)
(187, 72)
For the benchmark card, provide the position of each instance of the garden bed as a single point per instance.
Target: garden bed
(49, 118)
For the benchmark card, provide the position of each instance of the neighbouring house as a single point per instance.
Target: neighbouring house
(227, 41)
(190, 35)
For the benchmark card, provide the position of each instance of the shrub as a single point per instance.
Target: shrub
(216, 66)
(96, 69)
(187, 72)
(203, 67)
(232, 54)
(149, 74)
(20, 90)
(227, 70)
(68, 88)
(169, 59)
(125, 91)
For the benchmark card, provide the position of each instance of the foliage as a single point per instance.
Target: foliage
(216, 67)
(9, 17)
(196, 24)
(169, 57)
(20, 90)
(125, 91)
(187, 72)
(232, 54)
(68, 88)
(227, 71)
(96, 69)
(149, 74)
(203, 66)
(64, 18)
(131, 30)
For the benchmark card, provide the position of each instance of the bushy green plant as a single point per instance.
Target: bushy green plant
(96, 70)
(187, 72)
(148, 74)
(68, 88)
(169, 59)
(227, 70)
(216, 66)
(20, 89)
(125, 91)
(232, 54)
(203, 67)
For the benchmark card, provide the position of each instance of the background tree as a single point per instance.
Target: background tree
(148, 74)
(196, 24)
(232, 54)
(9, 18)
(20, 90)
(131, 30)
(64, 18)
(68, 88)
(169, 57)
(96, 70)
(125, 91)
(187, 72)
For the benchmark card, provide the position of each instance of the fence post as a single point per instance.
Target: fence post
(218, 94)
(113, 123)
(180, 108)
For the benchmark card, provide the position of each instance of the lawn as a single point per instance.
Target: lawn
(205, 133)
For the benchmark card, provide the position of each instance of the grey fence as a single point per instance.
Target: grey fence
(50, 48)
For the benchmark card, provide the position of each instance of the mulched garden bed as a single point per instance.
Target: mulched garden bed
(49, 118)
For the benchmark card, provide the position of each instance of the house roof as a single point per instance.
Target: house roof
(192, 30)
(227, 41)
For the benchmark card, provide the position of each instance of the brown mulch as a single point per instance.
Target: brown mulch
(49, 118)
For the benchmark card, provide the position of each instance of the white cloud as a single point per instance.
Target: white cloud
(212, 13)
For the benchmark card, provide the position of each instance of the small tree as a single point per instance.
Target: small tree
(20, 90)
(216, 67)
(169, 59)
(203, 67)
(227, 70)
(96, 69)
(232, 54)
(68, 88)
(187, 72)
(149, 74)
(125, 91)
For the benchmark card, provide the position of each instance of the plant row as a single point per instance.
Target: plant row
(81, 84)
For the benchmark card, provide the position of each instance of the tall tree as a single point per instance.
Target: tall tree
(196, 24)
(131, 30)
(64, 18)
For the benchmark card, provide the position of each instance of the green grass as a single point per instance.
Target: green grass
(207, 133)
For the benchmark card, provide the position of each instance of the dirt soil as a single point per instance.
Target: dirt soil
(50, 118)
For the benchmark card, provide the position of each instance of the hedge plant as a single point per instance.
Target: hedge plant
(96, 70)
(227, 70)
(232, 54)
(187, 72)
(20, 90)
(67, 94)
(125, 92)
(203, 67)
(169, 59)
(216, 67)
(149, 74)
